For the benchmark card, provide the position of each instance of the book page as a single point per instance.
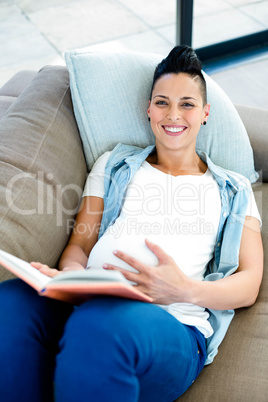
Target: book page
(24, 270)
(91, 276)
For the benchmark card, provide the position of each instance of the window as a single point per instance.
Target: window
(221, 27)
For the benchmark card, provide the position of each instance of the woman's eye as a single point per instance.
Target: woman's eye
(161, 103)
(187, 105)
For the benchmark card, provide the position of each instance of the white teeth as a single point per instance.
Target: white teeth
(174, 129)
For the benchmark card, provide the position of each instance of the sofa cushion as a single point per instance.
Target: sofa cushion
(42, 169)
(110, 93)
(5, 103)
(256, 122)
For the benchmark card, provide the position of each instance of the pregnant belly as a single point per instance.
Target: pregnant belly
(132, 244)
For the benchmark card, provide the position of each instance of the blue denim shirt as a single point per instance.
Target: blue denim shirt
(121, 166)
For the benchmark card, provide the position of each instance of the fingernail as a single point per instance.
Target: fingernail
(115, 251)
(105, 266)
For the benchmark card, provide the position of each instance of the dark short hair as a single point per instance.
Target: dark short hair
(181, 59)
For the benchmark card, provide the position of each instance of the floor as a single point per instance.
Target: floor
(34, 33)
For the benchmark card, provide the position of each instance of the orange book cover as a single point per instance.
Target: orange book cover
(73, 286)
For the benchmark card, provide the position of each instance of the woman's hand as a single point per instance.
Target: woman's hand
(46, 270)
(165, 283)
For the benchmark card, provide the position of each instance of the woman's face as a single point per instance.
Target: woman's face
(176, 111)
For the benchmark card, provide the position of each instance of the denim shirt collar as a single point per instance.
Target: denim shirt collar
(134, 156)
(223, 176)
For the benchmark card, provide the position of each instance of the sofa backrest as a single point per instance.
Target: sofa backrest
(256, 123)
(42, 170)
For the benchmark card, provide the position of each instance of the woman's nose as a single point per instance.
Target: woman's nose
(174, 114)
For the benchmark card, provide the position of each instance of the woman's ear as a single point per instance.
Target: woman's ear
(148, 110)
(206, 111)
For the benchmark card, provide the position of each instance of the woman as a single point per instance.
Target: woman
(167, 218)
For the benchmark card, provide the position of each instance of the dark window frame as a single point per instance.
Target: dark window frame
(219, 50)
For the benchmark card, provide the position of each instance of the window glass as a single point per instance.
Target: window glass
(221, 20)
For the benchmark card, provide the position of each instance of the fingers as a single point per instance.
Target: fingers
(138, 265)
(130, 276)
(38, 265)
(133, 262)
(163, 257)
(45, 269)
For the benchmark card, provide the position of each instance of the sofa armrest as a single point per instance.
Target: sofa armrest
(17, 83)
(256, 123)
(13, 88)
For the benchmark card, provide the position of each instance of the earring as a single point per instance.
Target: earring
(149, 119)
(204, 123)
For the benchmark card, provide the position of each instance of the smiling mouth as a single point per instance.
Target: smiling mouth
(174, 130)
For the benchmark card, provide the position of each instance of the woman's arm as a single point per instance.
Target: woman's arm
(167, 284)
(240, 289)
(84, 234)
(83, 237)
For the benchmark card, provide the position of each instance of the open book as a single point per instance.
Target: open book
(73, 286)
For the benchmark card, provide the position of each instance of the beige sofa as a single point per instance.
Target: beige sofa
(43, 171)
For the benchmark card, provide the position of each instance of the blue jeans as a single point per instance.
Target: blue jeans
(107, 349)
